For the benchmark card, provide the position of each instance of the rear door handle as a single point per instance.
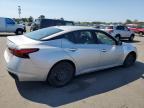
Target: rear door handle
(103, 50)
(72, 49)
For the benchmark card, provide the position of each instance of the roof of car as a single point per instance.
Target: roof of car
(68, 29)
(71, 28)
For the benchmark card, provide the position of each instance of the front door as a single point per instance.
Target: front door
(111, 54)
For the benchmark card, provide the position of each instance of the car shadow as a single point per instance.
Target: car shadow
(81, 87)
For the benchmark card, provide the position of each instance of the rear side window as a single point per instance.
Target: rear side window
(70, 36)
(42, 33)
(81, 37)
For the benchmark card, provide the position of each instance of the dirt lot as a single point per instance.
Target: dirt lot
(113, 88)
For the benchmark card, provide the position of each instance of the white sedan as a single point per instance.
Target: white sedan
(57, 54)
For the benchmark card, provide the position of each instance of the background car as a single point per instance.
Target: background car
(119, 32)
(57, 54)
(43, 23)
(137, 29)
(9, 25)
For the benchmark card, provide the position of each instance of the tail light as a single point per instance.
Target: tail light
(23, 53)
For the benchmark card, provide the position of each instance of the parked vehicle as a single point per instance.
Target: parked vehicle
(137, 29)
(9, 25)
(57, 54)
(43, 23)
(119, 32)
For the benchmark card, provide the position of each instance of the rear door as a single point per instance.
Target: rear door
(82, 47)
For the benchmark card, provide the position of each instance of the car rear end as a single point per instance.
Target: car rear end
(30, 58)
(18, 59)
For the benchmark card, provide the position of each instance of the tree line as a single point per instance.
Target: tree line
(128, 21)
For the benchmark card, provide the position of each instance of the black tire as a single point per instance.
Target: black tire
(131, 38)
(130, 60)
(61, 74)
(118, 37)
(19, 31)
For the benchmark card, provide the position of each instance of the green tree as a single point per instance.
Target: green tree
(30, 19)
(41, 17)
(128, 21)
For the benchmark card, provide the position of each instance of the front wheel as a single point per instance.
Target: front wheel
(61, 74)
(130, 60)
(131, 38)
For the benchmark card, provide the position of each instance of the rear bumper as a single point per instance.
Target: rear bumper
(23, 76)
(24, 69)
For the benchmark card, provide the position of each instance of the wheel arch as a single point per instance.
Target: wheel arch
(133, 53)
(65, 60)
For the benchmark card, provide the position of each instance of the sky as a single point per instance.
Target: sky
(76, 10)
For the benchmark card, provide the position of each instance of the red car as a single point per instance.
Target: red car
(137, 29)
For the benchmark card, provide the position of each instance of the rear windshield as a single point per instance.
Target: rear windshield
(42, 33)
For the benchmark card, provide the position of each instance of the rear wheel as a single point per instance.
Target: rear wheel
(61, 74)
(131, 38)
(19, 31)
(130, 60)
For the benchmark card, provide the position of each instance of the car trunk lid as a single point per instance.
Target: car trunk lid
(19, 40)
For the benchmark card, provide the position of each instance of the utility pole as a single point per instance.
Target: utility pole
(19, 11)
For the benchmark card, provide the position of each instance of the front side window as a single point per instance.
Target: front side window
(9, 21)
(104, 39)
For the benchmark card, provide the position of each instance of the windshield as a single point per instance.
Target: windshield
(42, 33)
